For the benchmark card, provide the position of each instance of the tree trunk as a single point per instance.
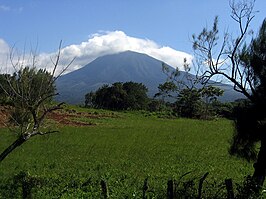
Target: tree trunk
(13, 146)
(260, 165)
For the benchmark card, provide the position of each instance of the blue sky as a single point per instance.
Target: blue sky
(167, 23)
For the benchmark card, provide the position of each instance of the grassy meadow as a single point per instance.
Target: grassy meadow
(123, 149)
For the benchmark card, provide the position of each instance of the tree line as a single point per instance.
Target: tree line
(191, 103)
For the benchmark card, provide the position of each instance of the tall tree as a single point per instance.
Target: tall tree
(244, 66)
(254, 113)
(119, 96)
(188, 103)
(136, 97)
(30, 91)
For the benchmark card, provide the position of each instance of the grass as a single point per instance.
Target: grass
(123, 150)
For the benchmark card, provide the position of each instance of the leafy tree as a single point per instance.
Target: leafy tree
(136, 95)
(101, 97)
(90, 99)
(167, 89)
(30, 91)
(254, 112)
(209, 95)
(115, 98)
(155, 105)
(4, 99)
(189, 103)
(244, 66)
(119, 96)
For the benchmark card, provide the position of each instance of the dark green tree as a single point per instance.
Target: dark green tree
(109, 97)
(4, 98)
(119, 96)
(251, 118)
(101, 97)
(136, 95)
(244, 66)
(189, 103)
(166, 90)
(209, 95)
(90, 99)
(116, 97)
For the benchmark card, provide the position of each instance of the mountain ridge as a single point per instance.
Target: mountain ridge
(119, 67)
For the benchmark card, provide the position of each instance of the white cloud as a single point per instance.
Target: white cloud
(4, 48)
(4, 52)
(109, 43)
(117, 41)
(4, 8)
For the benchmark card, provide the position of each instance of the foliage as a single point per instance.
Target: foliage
(253, 59)
(4, 98)
(136, 97)
(156, 105)
(188, 103)
(28, 89)
(90, 99)
(119, 96)
(197, 103)
(166, 90)
(243, 142)
(160, 108)
(248, 189)
(209, 95)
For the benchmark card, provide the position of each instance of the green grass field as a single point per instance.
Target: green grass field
(123, 150)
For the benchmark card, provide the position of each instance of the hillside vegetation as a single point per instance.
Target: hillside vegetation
(122, 149)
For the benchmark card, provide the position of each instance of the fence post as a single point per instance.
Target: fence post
(105, 190)
(170, 189)
(201, 184)
(145, 189)
(229, 188)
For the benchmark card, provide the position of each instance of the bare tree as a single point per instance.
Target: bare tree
(30, 91)
(229, 57)
(220, 56)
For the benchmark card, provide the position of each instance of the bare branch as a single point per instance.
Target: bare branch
(42, 133)
(57, 107)
(211, 64)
